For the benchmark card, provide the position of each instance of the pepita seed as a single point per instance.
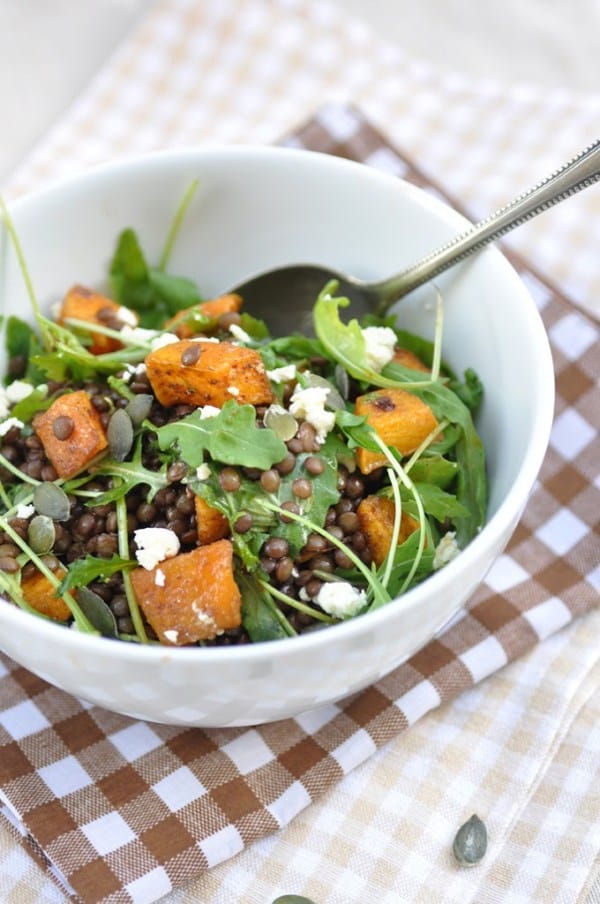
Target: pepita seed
(281, 422)
(334, 400)
(470, 843)
(52, 501)
(120, 434)
(139, 408)
(292, 899)
(41, 534)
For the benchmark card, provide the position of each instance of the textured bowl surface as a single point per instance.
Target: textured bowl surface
(257, 208)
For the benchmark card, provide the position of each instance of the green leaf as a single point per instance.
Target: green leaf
(260, 617)
(470, 391)
(436, 502)
(18, 337)
(82, 572)
(175, 292)
(434, 469)
(356, 430)
(36, 401)
(230, 437)
(404, 558)
(129, 474)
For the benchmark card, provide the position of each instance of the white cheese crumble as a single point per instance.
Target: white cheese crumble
(127, 316)
(8, 424)
(310, 404)
(282, 374)
(446, 550)
(139, 334)
(155, 544)
(4, 403)
(208, 411)
(340, 599)
(238, 333)
(203, 339)
(203, 471)
(233, 391)
(25, 511)
(18, 390)
(133, 370)
(162, 340)
(171, 636)
(160, 577)
(380, 342)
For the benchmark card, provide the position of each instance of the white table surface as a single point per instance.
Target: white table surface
(49, 51)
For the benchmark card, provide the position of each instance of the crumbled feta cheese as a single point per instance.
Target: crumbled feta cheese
(171, 636)
(380, 342)
(133, 370)
(340, 599)
(208, 411)
(203, 339)
(25, 511)
(155, 544)
(310, 404)
(446, 550)
(18, 390)
(233, 391)
(282, 374)
(127, 316)
(203, 471)
(139, 334)
(8, 424)
(160, 577)
(238, 333)
(205, 619)
(4, 403)
(162, 340)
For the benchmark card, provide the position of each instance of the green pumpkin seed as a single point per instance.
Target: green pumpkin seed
(120, 435)
(470, 843)
(281, 422)
(292, 899)
(97, 612)
(41, 534)
(334, 400)
(52, 501)
(343, 380)
(139, 407)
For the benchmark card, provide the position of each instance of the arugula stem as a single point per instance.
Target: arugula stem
(437, 343)
(425, 444)
(122, 535)
(81, 621)
(389, 559)
(373, 583)
(91, 327)
(10, 226)
(5, 498)
(296, 604)
(176, 223)
(17, 472)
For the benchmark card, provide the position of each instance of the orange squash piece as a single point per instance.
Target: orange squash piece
(401, 420)
(40, 593)
(407, 358)
(196, 597)
(376, 519)
(84, 304)
(223, 304)
(86, 441)
(210, 523)
(198, 373)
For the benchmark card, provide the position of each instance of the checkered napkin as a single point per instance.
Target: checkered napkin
(121, 810)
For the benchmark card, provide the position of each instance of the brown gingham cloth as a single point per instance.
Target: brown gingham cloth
(121, 810)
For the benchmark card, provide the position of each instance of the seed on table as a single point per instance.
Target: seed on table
(63, 426)
(292, 899)
(302, 488)
(191, 355)
(276, 547)
(243, 523)
(470, 842)
(230, 480)
(314, 465)
(270, 480)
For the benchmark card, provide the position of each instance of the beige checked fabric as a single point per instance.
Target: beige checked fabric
(124, 811)
(116, 810)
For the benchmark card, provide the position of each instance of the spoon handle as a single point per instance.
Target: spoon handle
(578, 173)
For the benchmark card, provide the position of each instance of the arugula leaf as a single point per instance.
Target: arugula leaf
(128, 474)
(434, 469)
(356, 430)
(37, 400)
(82, 572)
(230, 437)
(404, 558)
(436, 502)
(470, 391)
(18, 337)
(260, 617)
(175, 292)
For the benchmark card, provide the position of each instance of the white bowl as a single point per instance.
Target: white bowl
(257, 208)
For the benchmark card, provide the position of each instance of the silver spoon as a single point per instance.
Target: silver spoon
(285, 297)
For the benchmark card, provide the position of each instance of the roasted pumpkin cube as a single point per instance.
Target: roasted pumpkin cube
(407, 358)
(224, 304)
(40, 593)
(210, 523)
(400, 418)
(376, 521)
(84, 304)
(71, 432)
(196, 372)
(192, 596)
